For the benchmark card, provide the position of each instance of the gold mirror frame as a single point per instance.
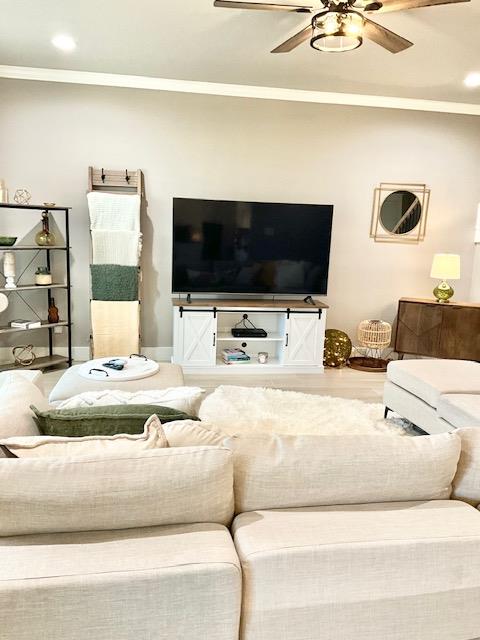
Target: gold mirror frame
(381, 193)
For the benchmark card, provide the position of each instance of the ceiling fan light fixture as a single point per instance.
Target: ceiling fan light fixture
(353, 24)
(338, 32)
(336, 42)
(330, 23)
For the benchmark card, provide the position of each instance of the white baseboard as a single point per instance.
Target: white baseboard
(160, 354)
(82, 354)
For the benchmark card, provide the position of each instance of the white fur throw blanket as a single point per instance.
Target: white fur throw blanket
(185, 399)
(253, 410)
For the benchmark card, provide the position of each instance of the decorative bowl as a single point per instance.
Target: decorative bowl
(7, 241)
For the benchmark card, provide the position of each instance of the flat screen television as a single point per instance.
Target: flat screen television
(222, 246)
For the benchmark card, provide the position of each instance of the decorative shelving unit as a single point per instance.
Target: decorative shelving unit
(52, 359)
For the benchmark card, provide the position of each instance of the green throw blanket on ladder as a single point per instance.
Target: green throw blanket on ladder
(114, 282)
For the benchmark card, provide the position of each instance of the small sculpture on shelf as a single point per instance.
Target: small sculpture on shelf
(23, 355)
(9, 270)
(45, 238)
(53, 314)
(22, 196)
(43, 277)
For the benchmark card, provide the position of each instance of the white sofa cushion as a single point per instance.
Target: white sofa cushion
(153, 437)
(179, 582)
(277, 471)
(462, 410)
(71, 383)
(429, 379)
(33, 375)
(363, 572)
(164, 486)
(17, 393)
(414, 409)
(273, 472)
(466, 484)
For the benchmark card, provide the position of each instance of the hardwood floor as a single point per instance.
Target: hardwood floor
(343, 383)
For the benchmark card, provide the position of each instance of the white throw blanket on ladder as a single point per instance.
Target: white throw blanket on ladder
(114, 212)
(116, 247)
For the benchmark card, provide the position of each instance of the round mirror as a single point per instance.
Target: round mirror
(400, 212)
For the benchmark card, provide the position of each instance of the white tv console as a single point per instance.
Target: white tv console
(296, 334)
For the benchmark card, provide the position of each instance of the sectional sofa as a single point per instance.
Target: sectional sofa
(435, 395)
(260, 538)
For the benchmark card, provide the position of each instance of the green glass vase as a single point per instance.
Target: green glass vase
(45, 238)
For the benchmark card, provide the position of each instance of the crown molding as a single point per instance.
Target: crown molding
(234, 90)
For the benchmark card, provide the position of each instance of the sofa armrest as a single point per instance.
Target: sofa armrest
(466, 484)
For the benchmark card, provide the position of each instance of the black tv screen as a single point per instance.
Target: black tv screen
(222, 246)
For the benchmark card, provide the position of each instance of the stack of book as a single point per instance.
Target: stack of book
(231, 356)
(25, 324)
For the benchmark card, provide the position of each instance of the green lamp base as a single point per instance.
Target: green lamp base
(443, 292)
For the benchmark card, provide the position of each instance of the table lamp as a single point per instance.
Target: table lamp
(445, 266)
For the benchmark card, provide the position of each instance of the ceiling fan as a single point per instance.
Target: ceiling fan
(341, 25)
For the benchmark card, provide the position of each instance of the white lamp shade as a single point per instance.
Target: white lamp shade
(445, 266)
(3, 302)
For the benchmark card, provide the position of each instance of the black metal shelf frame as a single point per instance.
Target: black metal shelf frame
(51, 359)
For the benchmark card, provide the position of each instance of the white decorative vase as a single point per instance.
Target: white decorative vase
(9, 269)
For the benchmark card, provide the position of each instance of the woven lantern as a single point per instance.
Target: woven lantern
(375, 335)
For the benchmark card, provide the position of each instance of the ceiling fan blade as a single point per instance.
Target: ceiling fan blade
(262, 6)
(400, 5)
(294, 41)
(384, 37)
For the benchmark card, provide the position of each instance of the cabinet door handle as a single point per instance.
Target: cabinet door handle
(286, 342)
(214, 339)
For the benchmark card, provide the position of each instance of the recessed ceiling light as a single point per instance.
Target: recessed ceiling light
(472, 80)
(64, 42)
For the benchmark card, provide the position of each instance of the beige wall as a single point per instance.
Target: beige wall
(475, 290)
(215, 147)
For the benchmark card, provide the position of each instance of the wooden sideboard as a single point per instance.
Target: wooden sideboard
(429, 328)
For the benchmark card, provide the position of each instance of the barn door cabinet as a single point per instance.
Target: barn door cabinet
(294, 342)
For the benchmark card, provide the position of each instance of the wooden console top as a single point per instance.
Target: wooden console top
(450, 303)
(249, 303)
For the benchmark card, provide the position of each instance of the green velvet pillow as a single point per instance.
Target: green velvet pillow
(102, 421)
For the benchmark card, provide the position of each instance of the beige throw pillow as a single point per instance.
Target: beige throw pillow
(190, 433)
(17, 393)
(466, 485)
(153, 437)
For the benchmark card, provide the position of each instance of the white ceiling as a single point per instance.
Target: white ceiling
(192, 40)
